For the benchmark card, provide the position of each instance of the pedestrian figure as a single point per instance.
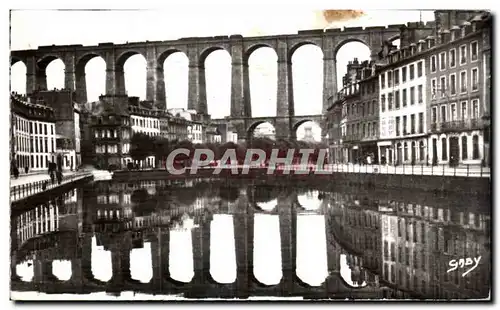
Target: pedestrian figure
(52, 177)
(44, 185)
(59, 177)
(16, 172)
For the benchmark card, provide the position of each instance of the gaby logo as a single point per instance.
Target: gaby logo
(462, 263)
(253, 158)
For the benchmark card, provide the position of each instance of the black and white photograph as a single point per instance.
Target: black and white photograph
(250, 155)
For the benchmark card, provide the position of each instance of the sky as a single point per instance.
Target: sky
(33, 28)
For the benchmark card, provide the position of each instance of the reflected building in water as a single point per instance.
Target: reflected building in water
(372, 248)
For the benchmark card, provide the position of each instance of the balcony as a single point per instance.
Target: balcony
(460, 125)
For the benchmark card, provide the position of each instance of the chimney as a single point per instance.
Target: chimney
(421, 45)
(466, 28)
(413, 49)
(476, 22)
(455, 32)
(431, 41)
(445, 36)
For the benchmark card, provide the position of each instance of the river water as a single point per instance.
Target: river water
(211, 238)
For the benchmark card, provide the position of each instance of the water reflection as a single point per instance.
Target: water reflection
(210, 238)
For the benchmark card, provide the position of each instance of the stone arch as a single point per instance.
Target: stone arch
(307, 62)
(206, 52)
(252, 48)
(346, 41)
(18, 71)
(251, 129)
(295, 47)
(42, 65)
(120, 76)
(263, 79)
(15, 59)
(81, 76)
(165, 77)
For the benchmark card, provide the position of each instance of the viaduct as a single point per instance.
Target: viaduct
(75, 57)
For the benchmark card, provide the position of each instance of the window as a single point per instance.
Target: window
(405, 158)
(420, 94)
(420, 68)
(389, 79)
(475, 147)
(404, 125)
(412, 95)
(40, 128)
(475, 78)
(473, 51)
(475, 109)
(403, 74)
(444, 154)
(45, 129)
(382, 103)
(404, 97)
(397, 126)
(434, 88)
(46, 145)
(463, 54)
(463, 81)
(422, 158)
(452, 58)
(97, 133)
(453, 112)
(36, 145)
(412, 72)
(397, 99)
(36, 129)
(443, 114)
(382, 80)
(464, 148)
(453, 84)
(412, 124)
(463, 112)
(433, 63)
(389, 99)
(396, 77)
(442, 86)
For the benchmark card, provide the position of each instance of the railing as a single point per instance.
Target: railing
(19, 192)
(470, 124)
(418, 169)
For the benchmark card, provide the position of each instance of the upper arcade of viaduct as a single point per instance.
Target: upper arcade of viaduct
(75, 57)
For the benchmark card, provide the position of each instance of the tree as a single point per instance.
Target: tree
(161, 149)
(141, 146)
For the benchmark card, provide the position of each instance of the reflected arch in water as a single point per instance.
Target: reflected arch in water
(141, 267)
(310, 201)
(222, 249)
(62, 269)
(267, 249)
(25, 271)
(350, 275)
(101, 262)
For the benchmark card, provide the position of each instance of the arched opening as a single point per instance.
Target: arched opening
(175, 71)
(351, 271)
(25, 270)
(90, 78)
(18, 77)
(218, 83)
(311, 261)
(308, 131)
(267, 246)
(141, 264)
(349, 52)
(134, 68)
(263, 76)
(51, 73)
(62, 269)
(262, 130)
(222, 249)
(181, 262)
(101, 262)
(307, 76)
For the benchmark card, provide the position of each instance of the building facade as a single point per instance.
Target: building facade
(459, 105)
(33, 139)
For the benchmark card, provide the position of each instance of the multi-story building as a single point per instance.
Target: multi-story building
(177, 128)
(213, 134)
(111, 133)
(67, 117)
(459, 89)
(403, 95)
(144, 119)
(333, 129)
(33, 131)
(359, 116)
(195, 132)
